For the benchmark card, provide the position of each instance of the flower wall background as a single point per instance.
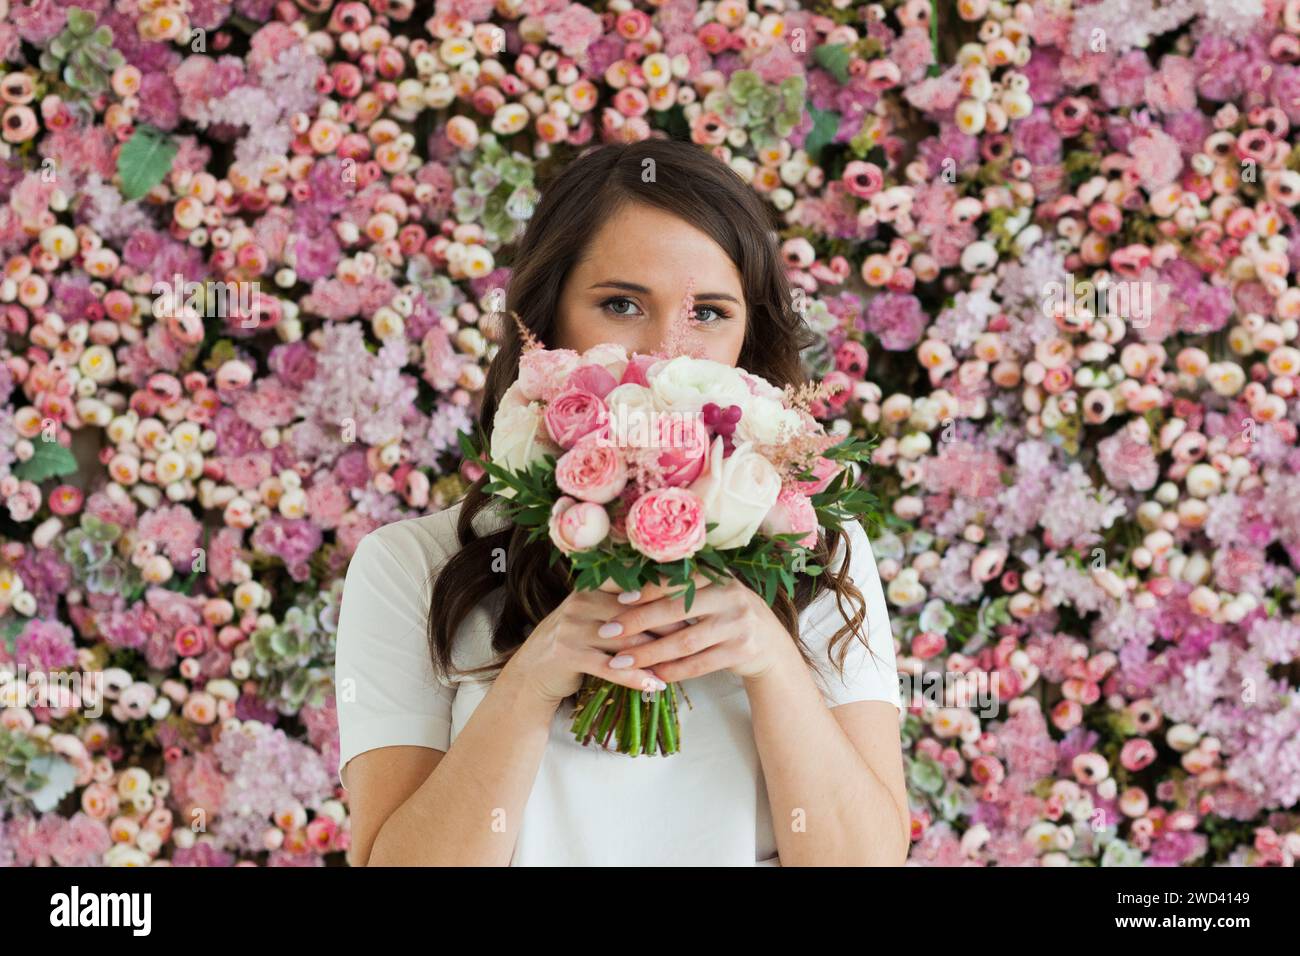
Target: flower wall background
(252, 255)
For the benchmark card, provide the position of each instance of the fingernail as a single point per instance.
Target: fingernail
(623, 660)
(627, 597)
(610, 629)
(659, 685)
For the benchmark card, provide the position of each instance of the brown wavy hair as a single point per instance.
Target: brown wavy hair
(701, 189)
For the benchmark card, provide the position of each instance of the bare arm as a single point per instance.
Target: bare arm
(414, 806)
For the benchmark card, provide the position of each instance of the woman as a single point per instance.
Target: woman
(454, 698)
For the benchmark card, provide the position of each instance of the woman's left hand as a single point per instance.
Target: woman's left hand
(729, 626)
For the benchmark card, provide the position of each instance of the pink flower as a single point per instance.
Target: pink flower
(592, 470)
(542, 372)
(573, 29)
(824, 472)
(666, 524)
(686, 445)
(1137, 753)
(1156, 159)
(573, 414)
(327, 502)
(637, 366)
(792, 513)
(593, 378)
(577, 525)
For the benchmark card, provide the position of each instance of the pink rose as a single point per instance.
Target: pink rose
(592, 378)
(573, 414)
(686, 444)
(791, 514)
(577, 525)
(824, 472)
(666, 524)
(592, 470)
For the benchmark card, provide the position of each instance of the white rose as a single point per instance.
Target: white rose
(519, 438)
(632, 414)
(686, 384)
(738, 492)
(768, 422)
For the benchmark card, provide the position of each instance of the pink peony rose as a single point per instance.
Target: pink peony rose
(686, 443)
(577, 525)
(792, 513)
(573, 414)
(592, 378)
(666, 524)
(592, 470)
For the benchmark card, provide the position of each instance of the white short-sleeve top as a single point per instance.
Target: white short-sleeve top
(703, 806)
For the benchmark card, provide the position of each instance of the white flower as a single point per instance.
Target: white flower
(768, 422)
(519, 438)
(738, 491)
(686, 384)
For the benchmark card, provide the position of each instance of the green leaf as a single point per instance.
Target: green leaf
(834, 57)
(50, 460)
(144, 161)
(825, 124)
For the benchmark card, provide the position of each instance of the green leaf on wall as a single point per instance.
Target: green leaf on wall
(50, 460)
(145, 159)
(825, 124)
(834, 57)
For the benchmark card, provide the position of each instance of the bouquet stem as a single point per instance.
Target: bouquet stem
(642, 723)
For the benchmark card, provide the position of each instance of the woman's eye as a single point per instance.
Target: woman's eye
(612, 305)
(701, 311)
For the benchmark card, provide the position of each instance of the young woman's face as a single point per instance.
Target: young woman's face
(629, 286)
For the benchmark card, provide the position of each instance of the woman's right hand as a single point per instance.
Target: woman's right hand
(566, 644)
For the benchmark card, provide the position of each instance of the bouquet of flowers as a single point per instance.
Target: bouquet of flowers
(651, 468)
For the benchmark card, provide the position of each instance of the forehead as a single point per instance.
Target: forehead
(644, 244)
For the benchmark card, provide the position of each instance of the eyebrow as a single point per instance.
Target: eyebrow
(635, 287)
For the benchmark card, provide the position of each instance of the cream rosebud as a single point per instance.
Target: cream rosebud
(577, 525)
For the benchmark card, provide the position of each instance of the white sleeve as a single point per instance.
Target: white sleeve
(386, 690)
(867, 676)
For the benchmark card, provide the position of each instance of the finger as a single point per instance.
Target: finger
(652, 592)
(612, 645)
(716, 658)
(666, 611)
(596, 605)
(681, 644)
(597, 665)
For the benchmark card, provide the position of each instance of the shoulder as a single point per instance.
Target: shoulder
(416, 542)
(419, 545)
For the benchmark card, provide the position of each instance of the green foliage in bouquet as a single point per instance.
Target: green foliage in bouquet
(764, 564)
